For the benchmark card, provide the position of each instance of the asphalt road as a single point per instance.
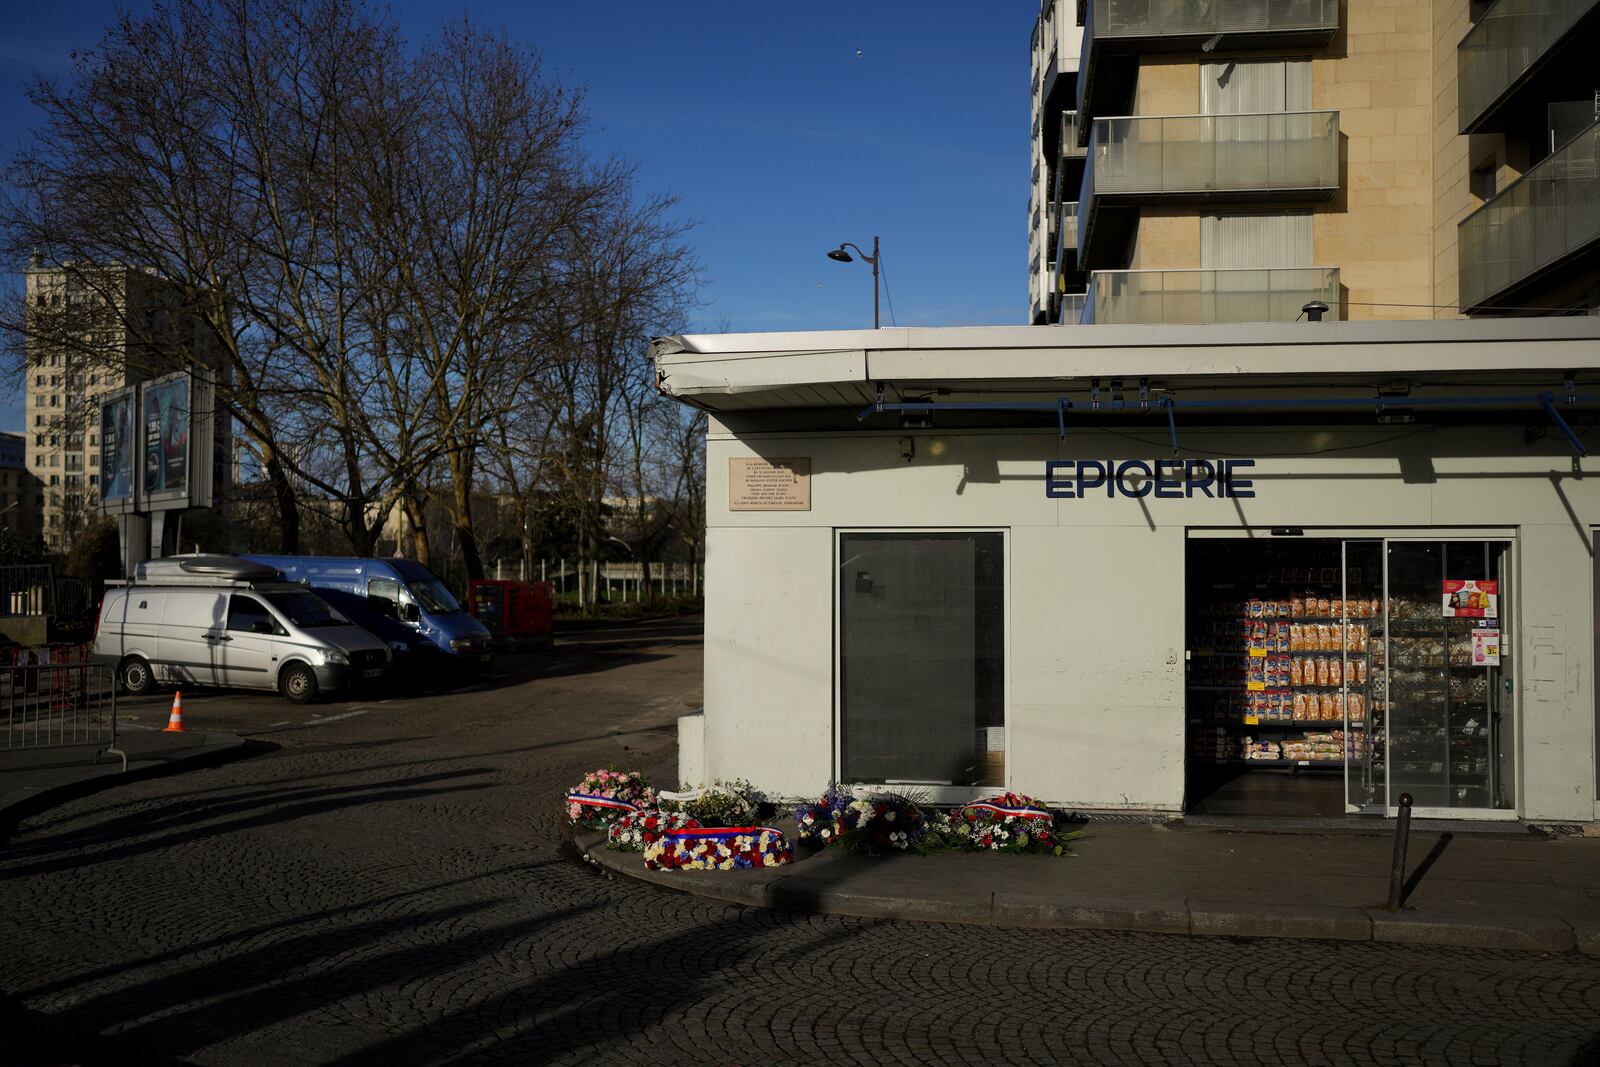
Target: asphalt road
(393, 884)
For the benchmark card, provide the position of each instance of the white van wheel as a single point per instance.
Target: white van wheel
(136, 676)
(297, 683)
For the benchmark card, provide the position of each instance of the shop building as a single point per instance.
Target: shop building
(1259, 569)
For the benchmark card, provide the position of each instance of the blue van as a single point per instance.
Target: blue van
(398, 600)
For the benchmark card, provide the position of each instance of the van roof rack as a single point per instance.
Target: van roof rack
(203, 568)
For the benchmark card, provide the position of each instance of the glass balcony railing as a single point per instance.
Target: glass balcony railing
(1182, 296)
(1186, 158)
(1070, 148)
(1205, 18)
(1071, 307)
(1164, 154)
(1543, 217)
(1507, 42)
(1068, 231)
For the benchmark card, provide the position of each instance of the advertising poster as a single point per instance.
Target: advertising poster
(1486, 648)
(1471, 599)
(116, 448)
(166, 436)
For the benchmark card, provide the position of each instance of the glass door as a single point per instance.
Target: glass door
(1446, 674)
(922, 659)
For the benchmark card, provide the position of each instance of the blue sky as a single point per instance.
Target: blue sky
(779, 138)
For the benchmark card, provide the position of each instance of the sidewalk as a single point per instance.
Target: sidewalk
(1526, 891)
(31, 778)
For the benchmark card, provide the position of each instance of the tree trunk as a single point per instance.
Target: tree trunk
(417, 520)
(461, 515)
(288, 509)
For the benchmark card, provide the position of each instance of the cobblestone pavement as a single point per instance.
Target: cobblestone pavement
(394, 887)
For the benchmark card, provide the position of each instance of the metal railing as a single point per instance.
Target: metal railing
(54, 698)
(1235, 295)
(1506, 43)
(1547, 214)
(26, 589)
(1111, 19)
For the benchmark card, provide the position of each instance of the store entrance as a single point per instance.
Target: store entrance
(1329, 676)
(1280, 637)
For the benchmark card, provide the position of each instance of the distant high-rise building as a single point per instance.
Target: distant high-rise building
(92, 331)
(1235, 160)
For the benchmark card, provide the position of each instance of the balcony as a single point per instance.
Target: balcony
(1072, 147)
(1056, 47)
(1071, 309)
(1510, 55)
(1185, 296)
(1067, 233)
(1536, 229)
(1200, 159)
(1115, 32)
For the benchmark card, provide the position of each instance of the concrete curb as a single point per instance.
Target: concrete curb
(70, 783)
(788, 889)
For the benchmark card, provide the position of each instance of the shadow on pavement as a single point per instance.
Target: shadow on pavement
(173, 813)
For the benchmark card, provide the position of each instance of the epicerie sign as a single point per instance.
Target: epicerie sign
(1168, 479)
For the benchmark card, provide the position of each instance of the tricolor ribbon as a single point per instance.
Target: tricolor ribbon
(600, 802)
(1021, 813)
(721, 832)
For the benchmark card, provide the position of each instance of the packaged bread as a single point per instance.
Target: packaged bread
(1299, 706)
(1324, 607)
(1356, 704)
(1336, 607)
(1359, 667)
(1322, 670)
(1280, 608)
(1297, 606)
(1330, 706)
(1296, 672)
(1324, 641)
(1282, 631)
(1335, 671)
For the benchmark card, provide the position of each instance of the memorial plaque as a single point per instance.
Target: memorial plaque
(756, 484)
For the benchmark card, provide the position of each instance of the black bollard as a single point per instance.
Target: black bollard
(1402, 834)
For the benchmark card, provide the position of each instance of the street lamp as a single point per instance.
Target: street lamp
(839, 255)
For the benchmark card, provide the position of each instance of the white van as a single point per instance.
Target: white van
(223, 621)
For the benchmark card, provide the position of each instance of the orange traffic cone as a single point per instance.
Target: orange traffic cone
(175, 722)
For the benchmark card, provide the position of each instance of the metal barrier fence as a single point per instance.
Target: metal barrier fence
(54, 697)
(26, 590)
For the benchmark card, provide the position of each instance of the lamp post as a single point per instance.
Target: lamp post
(839, 255)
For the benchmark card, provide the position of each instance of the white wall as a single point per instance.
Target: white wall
(1095, 712)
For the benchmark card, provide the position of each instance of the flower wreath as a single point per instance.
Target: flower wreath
(718, 849)
(605, 796)
(1010, 822)
(638, 830)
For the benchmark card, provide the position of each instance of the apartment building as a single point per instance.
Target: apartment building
(91, 331)
(20, 496)
(1237, 160)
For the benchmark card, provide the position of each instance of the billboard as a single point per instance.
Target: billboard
(117, 446)
(166, 423)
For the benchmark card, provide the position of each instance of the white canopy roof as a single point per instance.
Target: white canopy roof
(844, 368)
